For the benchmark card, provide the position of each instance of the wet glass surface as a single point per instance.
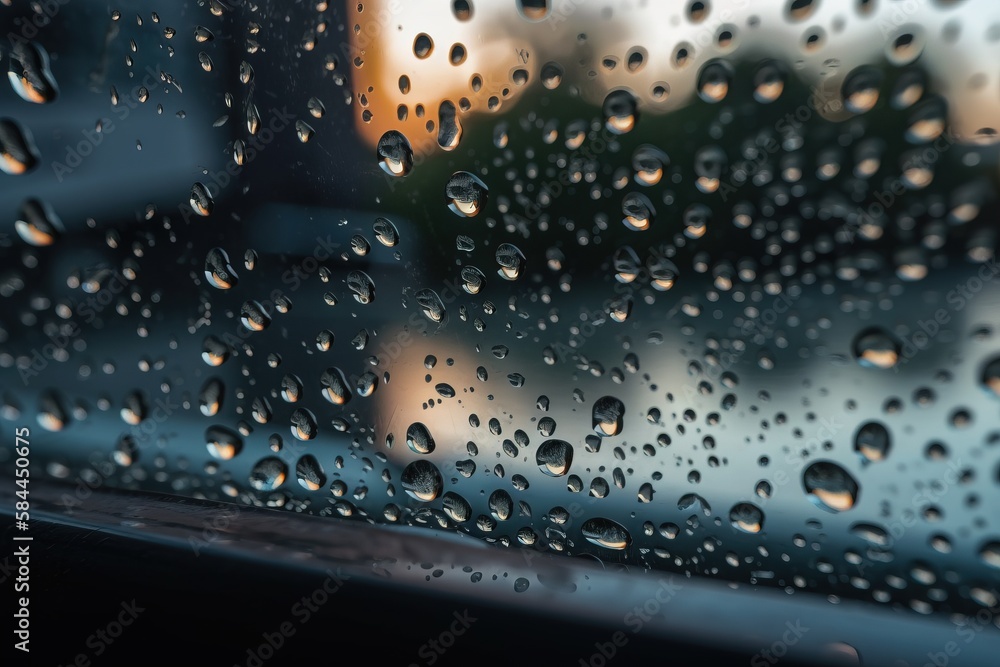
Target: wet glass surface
(704, 289)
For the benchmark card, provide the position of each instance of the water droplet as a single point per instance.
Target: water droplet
(203, 34)
(431, 305)
(423, 45)
(361, 286)
(990, 553)
(449, 127)
(608, 416)
(222, 443)
(649, 163)
(335, 386)
(626, 264)
(465, 194)
(606, 533)
(710, 166)
(385, 232)
(201, 199)
(769, 82)
(554, 457)
(638, 211)
(304, 426)
(268, 474)
(254, 317)
(309, 473)
(872, 441)
(421, 480)
(38, 224)
(18, 154)
(419, 439)
(552, 75)
(473, 280)
(747, 517)
(29, 72)
(511, 261)
(876, 348)
(662, 272)
(218, 271)
(205, 60)
(501, 505)
(456, 507)
(861, 89)
(303, 131)
(830, 487)
(210, 397)
(214, 351)
(714, 80)
(620, 113)
(874, 535)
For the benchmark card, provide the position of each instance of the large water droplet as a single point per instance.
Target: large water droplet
(310, 473)
(465, 194)
(361, 286)
(876, 348)
(385, 232)
(222, 443)
(431, 305)
(606, 533)
(419, 439)
(201, 200)
(511, 261)
(747, 517)
(421, 480)
(268, 474)
(254, 317)
(38, 224)
(304, 425)
(335, 386)
(210, 397)
(638, 211)
(830, 487)
(29, 73)
(620, 113)
(18, 154)
(608, 416)
(456, 507)
(218, 271)
(872, 441)
(554, 457)
(395, 154)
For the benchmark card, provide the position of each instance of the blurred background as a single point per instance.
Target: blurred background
(701, 290)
